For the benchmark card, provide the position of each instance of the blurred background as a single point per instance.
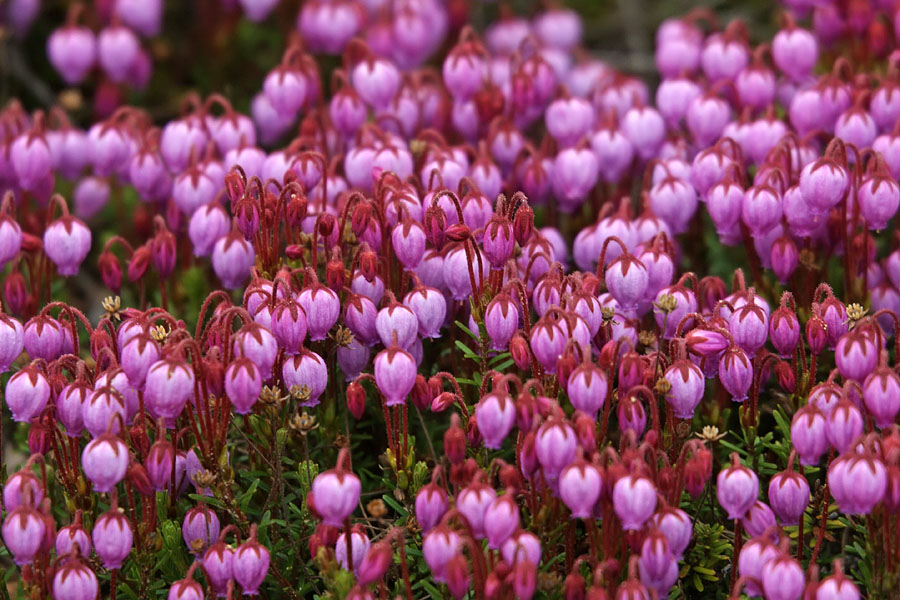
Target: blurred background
(207, 46)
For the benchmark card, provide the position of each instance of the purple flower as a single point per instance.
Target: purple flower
(438, 546)
(857, 482)
(881, 393)
(795, 52)
(105, 461)
(208, 224)
(430, 308)
(431, 504)
(736, 373)
(843, 425)
(737, 488)
(687, 387)
(117, 50)
(495, 415)
(168, 387)
(556, 446)
(782, 578)
(289, 325)
(112, 538)
(100, 412)
(634, 500)
(322, 308)
(232, 258)
(395, 374)
(250, 564)
(74, 580)
(72, 50)
(359, 546)
(473, 501)
(306, 371)
(73, 538)
(580, 487)
(67, 242)
(218, 565)
(27, 393)
(336, 493)
(587, 388)
(243, 384)
(501, 519)
(200, 529)
(789, 495)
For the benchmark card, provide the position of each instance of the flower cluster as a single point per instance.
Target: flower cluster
(564, 338)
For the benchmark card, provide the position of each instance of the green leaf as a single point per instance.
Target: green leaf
(783, 425)
(389, 500)
(698, 583)
(466, 351)
(208, 499)
(468, 331)
(504, 365)
(499, 358)
(248, 495)
(433, 592)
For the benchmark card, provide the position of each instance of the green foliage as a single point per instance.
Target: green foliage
(710, 551)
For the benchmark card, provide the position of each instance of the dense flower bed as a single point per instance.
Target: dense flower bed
(457, 313)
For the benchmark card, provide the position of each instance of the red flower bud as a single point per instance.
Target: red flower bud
(786, 378)
(697, 472)
(816, 334)
(523, 224)
(455, 441)
(524, 578)
(443, 401)
(324, 536)
(435, 386)
(163, 251)
(356, 400)
(526, 410)
(566, 364)
(235, 184)
(359, 221)
(435, 225)
(368, 264)
(294, 251)
(421, 393)
(100, 339)
(296, 210)
(31, 243)
(16, 293)
(139, 263)
(574, 586)
(458, 233)
(137, 476)
(457, 573)
(376, 562)
(712, 289)
(335, 274)
(585, 431)
(39, 437)
(608, 355)
(473, 434)
(521, 355)
(327, 224)
(510, 477)
(214, 371)
(139, 438)
(110, 271)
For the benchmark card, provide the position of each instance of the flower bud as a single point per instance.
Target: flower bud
(737, 488)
